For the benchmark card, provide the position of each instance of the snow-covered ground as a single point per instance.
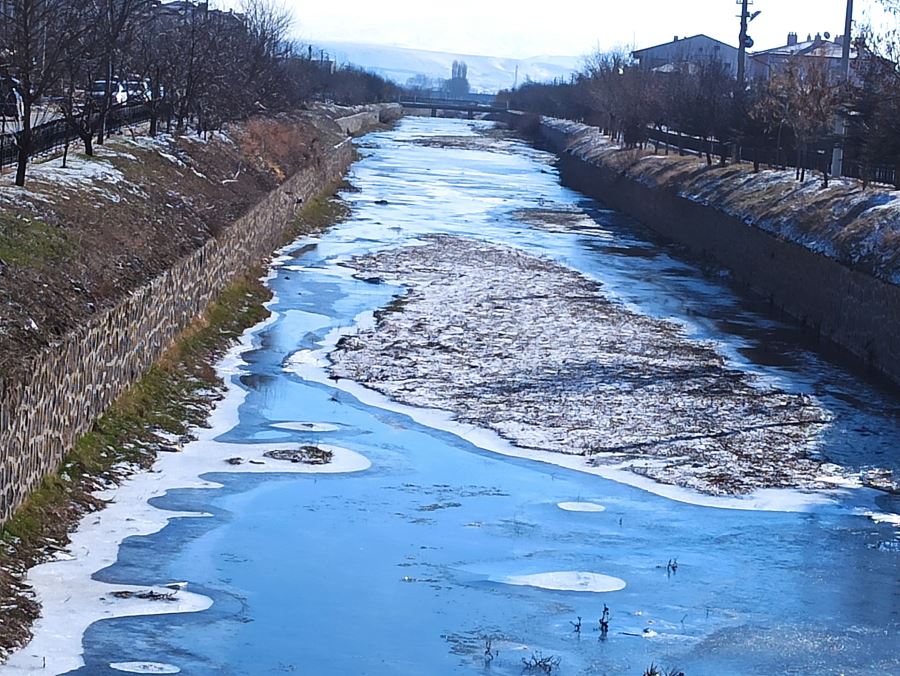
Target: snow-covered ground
(534, 351)
(860, 228)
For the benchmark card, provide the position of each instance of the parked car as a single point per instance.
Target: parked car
(10, 99)
(118, 93)
(138, 90)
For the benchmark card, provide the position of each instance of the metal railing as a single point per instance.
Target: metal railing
(52, 136)
(858, 170)
(818, 155)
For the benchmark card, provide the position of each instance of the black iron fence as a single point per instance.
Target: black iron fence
(816, 158)
(52, 136)
(854, 169)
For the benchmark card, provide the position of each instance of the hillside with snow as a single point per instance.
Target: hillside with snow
(486, 73)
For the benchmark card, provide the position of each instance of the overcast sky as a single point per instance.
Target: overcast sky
(523, 28)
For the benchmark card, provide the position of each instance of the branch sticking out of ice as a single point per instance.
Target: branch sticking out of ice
(568, 581)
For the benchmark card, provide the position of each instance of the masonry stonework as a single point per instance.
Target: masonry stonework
(384, 113)
(54, 398)
(845, 308)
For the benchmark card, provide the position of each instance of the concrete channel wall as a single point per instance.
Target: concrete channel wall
(57, 397)
(846, 308)
(366, 119)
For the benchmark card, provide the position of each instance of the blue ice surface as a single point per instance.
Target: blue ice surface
(398, 570)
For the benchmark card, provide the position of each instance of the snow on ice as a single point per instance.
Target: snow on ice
(535, 352)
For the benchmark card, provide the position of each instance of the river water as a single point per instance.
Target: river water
(403, 568)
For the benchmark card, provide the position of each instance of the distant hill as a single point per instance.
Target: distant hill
(486, 73)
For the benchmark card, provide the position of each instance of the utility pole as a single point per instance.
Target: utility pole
(742, 47)
(845, 45)
(745, 42)
(840, 125)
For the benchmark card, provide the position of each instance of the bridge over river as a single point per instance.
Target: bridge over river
(456, 105)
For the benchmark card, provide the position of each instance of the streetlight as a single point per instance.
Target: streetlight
(745, 42)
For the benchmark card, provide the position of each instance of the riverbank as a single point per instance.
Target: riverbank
(828, 258)
(81, 236)
(440, 527)
(183, 190)
(154, 416)
(52, 395)
(159, 414)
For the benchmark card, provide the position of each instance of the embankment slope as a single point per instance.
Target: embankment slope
(105, 261)
(828, 257)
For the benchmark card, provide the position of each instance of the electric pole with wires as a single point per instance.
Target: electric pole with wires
(840, 125)
(745, 42)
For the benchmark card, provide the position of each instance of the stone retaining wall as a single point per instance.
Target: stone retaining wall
(67, 386)
(846, 308)
(354, 124)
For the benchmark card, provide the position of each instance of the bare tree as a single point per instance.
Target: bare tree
(150, 58)
(112, 26)
(264, 48)
(76, 107)
(457, 87)
(875, 104)
(601, 72)
(702, 102)
(808, 95)
(37, 33)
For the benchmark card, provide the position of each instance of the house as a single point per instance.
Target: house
(177, 11)
(693, 50)
(765, 64)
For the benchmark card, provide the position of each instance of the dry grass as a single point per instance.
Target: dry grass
(68, 250)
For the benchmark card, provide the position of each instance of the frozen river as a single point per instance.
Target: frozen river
(408, 566)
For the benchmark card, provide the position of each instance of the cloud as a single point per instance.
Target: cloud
(523, 28)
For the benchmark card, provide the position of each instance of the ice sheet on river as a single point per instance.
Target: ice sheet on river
(533, 350)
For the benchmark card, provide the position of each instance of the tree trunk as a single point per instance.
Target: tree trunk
(25, 141)
(107, 100)
(101, 128)
(778, 147)
(154, 104)
(22, 162)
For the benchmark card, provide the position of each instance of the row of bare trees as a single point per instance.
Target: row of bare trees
(191, 65)
(786, 118)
